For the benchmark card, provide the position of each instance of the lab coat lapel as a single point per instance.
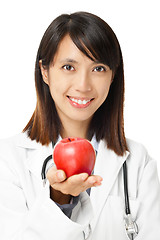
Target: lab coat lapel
(108, 165)
(36, 154)
(36, 159)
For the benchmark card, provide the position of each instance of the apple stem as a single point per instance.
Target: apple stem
(69, 139)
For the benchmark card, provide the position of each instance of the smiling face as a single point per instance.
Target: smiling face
(77, 84)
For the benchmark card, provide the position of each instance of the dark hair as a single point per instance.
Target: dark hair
(95, 39)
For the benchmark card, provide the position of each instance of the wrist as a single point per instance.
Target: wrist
(59, 197)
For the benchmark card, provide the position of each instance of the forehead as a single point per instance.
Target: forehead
(68, 50)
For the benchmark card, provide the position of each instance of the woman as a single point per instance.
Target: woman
(80, 93)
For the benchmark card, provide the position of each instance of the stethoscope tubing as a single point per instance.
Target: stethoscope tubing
(125, 179)
(43, 172)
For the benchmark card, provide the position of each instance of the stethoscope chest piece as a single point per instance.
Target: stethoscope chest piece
(130, 227)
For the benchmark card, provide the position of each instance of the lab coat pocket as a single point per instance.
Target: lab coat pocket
(130, 226)
(117, 206)
(130, 221)
(110, 223)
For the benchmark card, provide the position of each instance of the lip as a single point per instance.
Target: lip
(79, 105)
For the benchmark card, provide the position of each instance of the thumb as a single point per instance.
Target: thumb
(60, 176)
(55, 176)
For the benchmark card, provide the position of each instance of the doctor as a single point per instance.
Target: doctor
(80, 93)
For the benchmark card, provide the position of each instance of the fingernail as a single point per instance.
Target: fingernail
(97, 184)
(100, 179)
(92, 181)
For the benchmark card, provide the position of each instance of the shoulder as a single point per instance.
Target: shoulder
(16, 152)
(7, 144)
(16, 148)
(136, 149)
(142, 170)
(20, 140)
(9, 147)
(139, 158)
(137, 154)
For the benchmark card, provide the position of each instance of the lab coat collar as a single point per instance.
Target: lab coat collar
(24, 141)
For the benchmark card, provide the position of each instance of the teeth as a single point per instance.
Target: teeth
(75, 100)
(79, 101)
(84, 101)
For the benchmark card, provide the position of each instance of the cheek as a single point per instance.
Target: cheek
(103, 90)
(57, 90)
(103, 85)
(52, 88)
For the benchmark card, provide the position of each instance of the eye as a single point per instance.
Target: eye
(99, 69)
(68, 68)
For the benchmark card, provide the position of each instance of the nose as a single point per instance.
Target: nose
(83, 82)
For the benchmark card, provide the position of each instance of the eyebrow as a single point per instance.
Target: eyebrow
(99, 62)
(68, 60)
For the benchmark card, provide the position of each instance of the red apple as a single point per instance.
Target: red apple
(74, 156)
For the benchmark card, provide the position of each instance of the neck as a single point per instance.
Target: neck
(72, 129)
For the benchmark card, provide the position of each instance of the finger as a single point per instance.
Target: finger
(55, 176)
(94, 180)
(80, 177)
(60, 176)
(77, 179)
(83, 181)
(98, 178)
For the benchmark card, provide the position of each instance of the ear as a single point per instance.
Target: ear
(44, 72)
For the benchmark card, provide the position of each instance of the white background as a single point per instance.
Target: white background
(137, 26)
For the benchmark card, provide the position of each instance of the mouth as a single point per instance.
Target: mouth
(80, 102)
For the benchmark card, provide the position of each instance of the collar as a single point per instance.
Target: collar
(24, 141)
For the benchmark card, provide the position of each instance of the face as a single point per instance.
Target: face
(77, 84)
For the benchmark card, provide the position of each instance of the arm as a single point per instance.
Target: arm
(148, 218)
(42, 220)
(26, 214)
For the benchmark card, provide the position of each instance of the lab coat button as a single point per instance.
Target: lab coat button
(87, 231)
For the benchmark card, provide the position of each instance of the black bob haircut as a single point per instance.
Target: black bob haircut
(95, 38)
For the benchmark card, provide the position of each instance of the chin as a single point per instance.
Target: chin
(81, 118)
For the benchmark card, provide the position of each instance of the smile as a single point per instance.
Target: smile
(79, 103)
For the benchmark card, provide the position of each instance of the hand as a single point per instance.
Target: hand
(63, 187)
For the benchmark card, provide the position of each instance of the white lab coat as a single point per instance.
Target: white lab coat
(28, 213)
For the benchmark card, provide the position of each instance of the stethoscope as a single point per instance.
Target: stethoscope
(130, 225)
